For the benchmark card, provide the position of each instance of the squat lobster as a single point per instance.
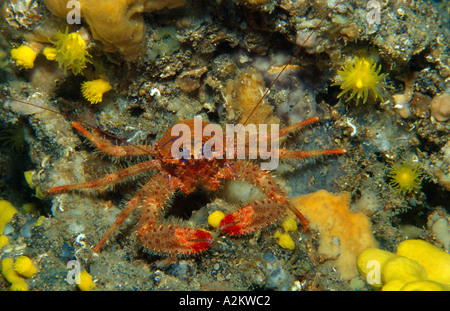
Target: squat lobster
(186, 175)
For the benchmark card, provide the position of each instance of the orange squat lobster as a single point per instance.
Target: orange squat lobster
(186, 175)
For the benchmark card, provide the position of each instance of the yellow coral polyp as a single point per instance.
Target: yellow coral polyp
(70, 52)
(360, 77)
(24, 56)
(93, 90)
(29, 207)
(25, 267)
(405, 177)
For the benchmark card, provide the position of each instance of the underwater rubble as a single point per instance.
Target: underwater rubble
(159, 62)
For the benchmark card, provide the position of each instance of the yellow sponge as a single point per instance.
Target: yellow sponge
(17, 281)
(393, 286)
(289, 224)
(435, 261)
(4, 240)
(29, 178)
(417, 265)
(8, 271)
(7, 211)
(424, 286)
(24, 56)
(20, 285)
(215, 218)
(402, 268)
(285, 240)
(370, 259)
(86, 283)
(24, 267)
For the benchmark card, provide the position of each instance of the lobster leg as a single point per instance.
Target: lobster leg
(129, 208)
(164, 237)
(110, 179)
(160, 237)
(257, 214)
(300, 154)
(107, 147)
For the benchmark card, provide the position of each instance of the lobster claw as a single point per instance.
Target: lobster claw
(193, 240)
(252, 217)
(238, 222)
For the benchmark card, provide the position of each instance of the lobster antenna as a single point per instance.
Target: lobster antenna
(73, 119)
(290, 61)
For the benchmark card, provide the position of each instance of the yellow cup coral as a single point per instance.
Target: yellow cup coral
(93, 90)
(24, 267)
(405, 177)
(24, 56)
(70, 52)
(361, 77)
(29, 207)
(7, 211)
(40, 221)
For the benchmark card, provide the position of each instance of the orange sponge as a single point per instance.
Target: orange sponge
(118, 24)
